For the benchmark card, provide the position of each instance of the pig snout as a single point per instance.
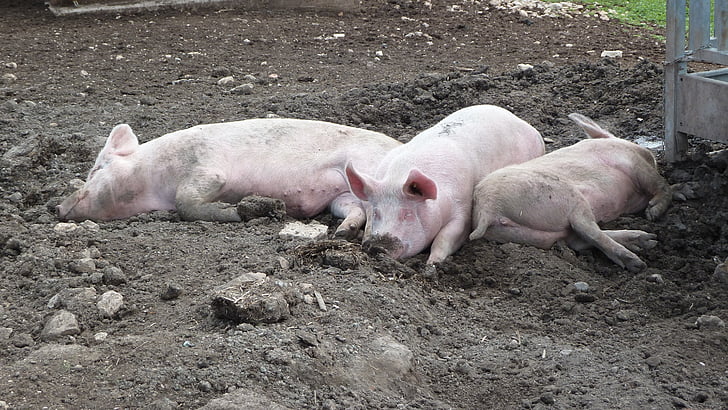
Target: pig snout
(386, 243)
(66, 209)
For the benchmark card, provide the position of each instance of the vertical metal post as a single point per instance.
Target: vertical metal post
(675, 142)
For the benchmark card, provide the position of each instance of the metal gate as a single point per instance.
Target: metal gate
(695, 103)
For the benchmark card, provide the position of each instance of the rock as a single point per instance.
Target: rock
(63, 323)
(525, 67)
(114, 276)
(581, 286)
(221, 72)
(721, 272)
(205, 386)
(548, 399)
(253, 207)
(11, 65)
(75, 299)
(243, 89)
(21, 340)
(709, 322)
(250, 298)
(655, 278)
(226, 80)
(147, 100)
(171, 291)
(84, 265)
(5, 333)
(611, 54)
(243, 399)
(65, 227)
(100, 337)
(163, 404)
(110, 303)
(9, 78)
(299, 230)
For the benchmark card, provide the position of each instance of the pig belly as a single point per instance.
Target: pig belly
(305, 193)
(506, 230)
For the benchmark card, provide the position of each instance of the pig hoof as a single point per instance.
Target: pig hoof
(635, 265)
(253, 207)
(346, 232)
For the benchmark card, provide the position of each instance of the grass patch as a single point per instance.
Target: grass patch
(645, 13)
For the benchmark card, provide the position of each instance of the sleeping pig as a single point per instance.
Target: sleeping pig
(202, 171)
(564, 194)
(420, 194)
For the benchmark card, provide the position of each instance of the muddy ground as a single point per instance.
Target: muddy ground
(501, 326)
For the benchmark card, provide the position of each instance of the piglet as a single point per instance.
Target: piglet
(421, 192)
(564, 194)
(202, 171)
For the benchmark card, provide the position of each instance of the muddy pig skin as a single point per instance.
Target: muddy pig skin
(202, 171)
(564, 194)
(421, 193)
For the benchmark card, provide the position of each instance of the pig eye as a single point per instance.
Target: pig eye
(413, 189)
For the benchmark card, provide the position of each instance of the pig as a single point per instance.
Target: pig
(566, 193)
(203, 171)
(421, 192)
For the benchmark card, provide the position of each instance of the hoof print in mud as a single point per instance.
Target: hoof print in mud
(251, 298)
(253, 207)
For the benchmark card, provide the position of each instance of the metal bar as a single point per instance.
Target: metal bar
(710, 55)
(699, 24)
(675, 142)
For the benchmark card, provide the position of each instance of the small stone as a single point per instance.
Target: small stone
(114, 276)
(9, 78)
(85, 265)
(110, 303)
(709, 322)
(581, 286)
(205, 386)
(226, 80)
(221, 72)
(147, 100)
(611, 53)
(63, 323)
(96, 278)
(21, 340)
(5, 333)
(171, 291)
(721, 272)
(65, 227)
(379, 53)
(243, 89)
(100, 337)
(525, 67)
(16, 197)
(624, 315)
(655, 278)
(514, 291)
(284, 263)
(11, 65)
(299, 230)
(548, 399)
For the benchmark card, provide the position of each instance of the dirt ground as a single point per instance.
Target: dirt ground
(501, 326)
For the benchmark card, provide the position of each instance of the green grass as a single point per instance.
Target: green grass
(647, 13)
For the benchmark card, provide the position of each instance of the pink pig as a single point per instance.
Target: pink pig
(202, 171)
(564, 194)
(421, 192)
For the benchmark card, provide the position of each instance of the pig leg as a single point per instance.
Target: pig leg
(194, 196)
(350, 208)
(652, 183)
(633, 240)
(450, 238)
(583, 224)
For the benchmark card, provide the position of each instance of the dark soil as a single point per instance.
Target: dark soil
(499, 326)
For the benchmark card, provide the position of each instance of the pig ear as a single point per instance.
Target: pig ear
(419, 186)
(122, 141)
(591, 128)
(359, 184)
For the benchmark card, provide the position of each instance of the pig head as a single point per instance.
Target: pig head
(421, 193)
